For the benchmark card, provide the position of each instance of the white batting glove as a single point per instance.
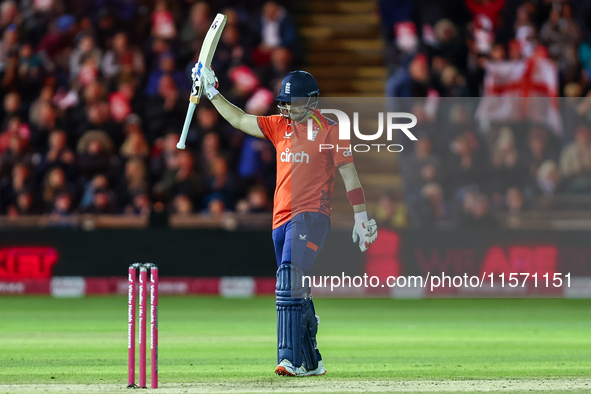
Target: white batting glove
(205, 76)
(365, 231)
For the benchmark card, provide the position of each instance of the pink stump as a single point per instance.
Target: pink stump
(154, 326)
(142, 317)
(131, 326)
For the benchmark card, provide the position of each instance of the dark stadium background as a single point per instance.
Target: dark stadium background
(94, 94)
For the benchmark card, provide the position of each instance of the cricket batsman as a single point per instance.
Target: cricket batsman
(301, 209)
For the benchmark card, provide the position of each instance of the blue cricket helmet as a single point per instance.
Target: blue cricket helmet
(298, 84)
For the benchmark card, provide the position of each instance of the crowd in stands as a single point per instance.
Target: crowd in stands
(458, 173)
(94, 93)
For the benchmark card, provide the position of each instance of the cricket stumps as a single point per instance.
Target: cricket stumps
(132, 289)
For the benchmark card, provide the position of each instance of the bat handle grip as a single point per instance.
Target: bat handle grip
(188, 118)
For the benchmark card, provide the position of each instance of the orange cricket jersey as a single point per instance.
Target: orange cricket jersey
(305, 173)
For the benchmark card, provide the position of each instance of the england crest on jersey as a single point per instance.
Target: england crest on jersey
(315, 131)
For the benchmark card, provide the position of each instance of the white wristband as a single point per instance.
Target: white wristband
(361, 216)
(211, 92)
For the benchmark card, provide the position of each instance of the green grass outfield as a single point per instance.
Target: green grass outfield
(207, 340)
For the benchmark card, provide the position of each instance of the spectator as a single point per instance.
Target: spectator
(582, 110)
(432, 210)
(208, 121)
(156, 48)
(498, 52)
(230, 53)
(76, 114)
(58, 155)
(9, 14)
(24, 205)
(182, 205)
(22, 182)
(210, 149)
(10, 79)
(103, 202)
(575, 159)
(15, 128)
(135, 146)
(12, 105)
(514, 202)
(89, 71)
(57, 40)
(196, 27)
(253, 152)
(181, 178)
(86, 49)
(133, 124)
(55, 184)
(121, 53)
(87, 28)
(120, 102)
(277, 69)
(420, 168)
(167, 66)
(256, 201)
(449, 44)
(585, 55)
(515, 50)
(163, 22)
(457, 119)
(98, 117)
(276, 30)
(45, 97)
(412, 81)
(508, 169)
(575, 162)
(40, 129)
(165, 110)
(561, 35)
(95, 155)
(220, 183)
(256, 164)
(549, 181)
(525, 30)
(105, 24)
(164, 154)
(135, 182)
(98, 182)
(391, 212)
(245, 82)
(477, 213)
(463, 167)
(8, 45)
(18, 151)
(140, 206)
(536, 153)
(62, 209)
(216, 209)
(452, 83)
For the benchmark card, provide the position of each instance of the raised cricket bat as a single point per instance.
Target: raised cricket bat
(207, 50)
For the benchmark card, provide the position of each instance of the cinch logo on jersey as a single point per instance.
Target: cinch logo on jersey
(289, 157)
(345, 130)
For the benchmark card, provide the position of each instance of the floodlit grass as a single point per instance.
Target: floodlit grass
(206, 339)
